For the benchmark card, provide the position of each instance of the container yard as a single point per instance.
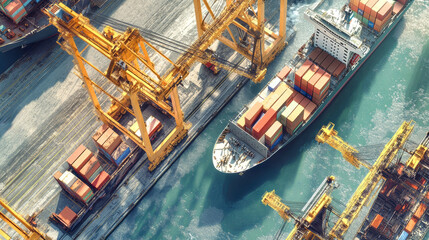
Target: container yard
(69, 175)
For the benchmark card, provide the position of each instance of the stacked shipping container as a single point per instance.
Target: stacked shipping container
(374, 13)
(15, 9)
(110, 144)
(74, 186)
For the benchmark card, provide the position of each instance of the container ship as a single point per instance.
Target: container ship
(343, 40)
(22, 22)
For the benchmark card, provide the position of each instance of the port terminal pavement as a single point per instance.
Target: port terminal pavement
(46, 114)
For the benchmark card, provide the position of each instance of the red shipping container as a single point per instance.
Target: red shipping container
(304, 102)
(152, 125)
(353, 7)
(284, 72)
(82, 160)
(321, 58)
(252, 114)
(100, 180)
(315, 53)
(313, 80)
(385, 11)
(362, 4)
(112, 143)
(397, 7)
(294, 93)
(328, 60)
(301, 71)
(85, 194)
(13, 7)
(331, 69)
(79, 150)
(339, 70)
(308, 110)
(67, 216)
(403, 2)
(262, 125)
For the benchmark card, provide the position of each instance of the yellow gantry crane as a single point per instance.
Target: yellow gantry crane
(364, 190)
(132, 70)
(313, 211)
(28, 232)
(419, 154)
(362, 194)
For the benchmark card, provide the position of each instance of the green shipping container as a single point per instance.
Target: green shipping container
(365, 21)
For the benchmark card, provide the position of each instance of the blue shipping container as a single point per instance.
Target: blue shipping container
(403, 236)
(360, 11)
(302, 92)
(370, 24)
(123, 156)
(276, 142)
(309, 96)
(296, 88)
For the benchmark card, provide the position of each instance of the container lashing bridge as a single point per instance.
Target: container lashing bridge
(133, 71)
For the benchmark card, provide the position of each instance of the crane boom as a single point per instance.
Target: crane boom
(363, 192)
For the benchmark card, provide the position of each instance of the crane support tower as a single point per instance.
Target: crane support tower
(364, 190)
(419, 154)
(130, 69)
(238, 13)
(306, 226)
(330, 136)
(29, 232)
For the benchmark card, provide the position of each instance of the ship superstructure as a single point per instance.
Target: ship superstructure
(343, 40)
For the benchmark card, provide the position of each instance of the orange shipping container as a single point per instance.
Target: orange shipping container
(76, 154)
(295, 119)
(321, 85)
(317, 100)
(103, 138)
(304, 102)
(90, 168)
(313, 81)
(309, 109)
(262, 125)
(377, 8)
(376, 221)
(354, 2)
(397, 7)
(385, 11)
(274, 96)
(369, 5)
(411, 224)
(362, 4)
(314, 54)
(301, 71)
(304, 82)
(321, 58)
(82, 160)
(100, 180)
(284, 72)
(252, 114)
(273, 131)
(100, 132)
(67, 216)
(282, 101)
(298, 98)
(111, 143)
(241, 122)
(420, 211)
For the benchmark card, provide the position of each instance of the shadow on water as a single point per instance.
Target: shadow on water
(419, 79)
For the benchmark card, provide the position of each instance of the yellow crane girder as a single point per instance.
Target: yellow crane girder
(364, 190)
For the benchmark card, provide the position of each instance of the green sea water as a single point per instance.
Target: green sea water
(194, 201)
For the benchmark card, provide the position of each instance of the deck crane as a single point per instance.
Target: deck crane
(28, 231)
(361, 196)
(132, 70)
(311, 225)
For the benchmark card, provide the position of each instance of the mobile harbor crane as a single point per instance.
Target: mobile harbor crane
(361, 196)
(132, 70)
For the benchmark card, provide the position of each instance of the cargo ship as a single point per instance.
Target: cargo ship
(343, 40)
(22, 22)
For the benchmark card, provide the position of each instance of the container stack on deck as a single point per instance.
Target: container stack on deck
(74, 186)
(110, 144)
(16, 9)
(376, 13)
(283, 110)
